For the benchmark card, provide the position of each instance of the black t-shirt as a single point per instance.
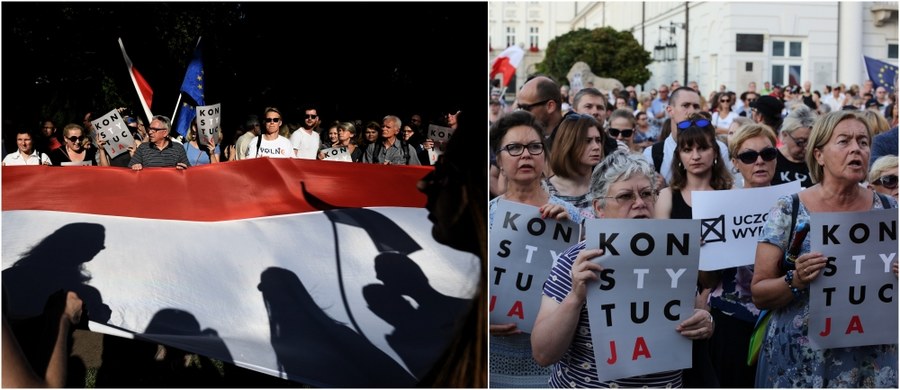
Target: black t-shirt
(787, 171)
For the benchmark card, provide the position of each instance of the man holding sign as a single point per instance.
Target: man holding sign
(159, 152)
(623, 186)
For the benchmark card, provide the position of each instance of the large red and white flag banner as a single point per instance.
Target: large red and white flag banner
(313, 271)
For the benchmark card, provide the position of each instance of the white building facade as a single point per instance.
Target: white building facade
(717, 43)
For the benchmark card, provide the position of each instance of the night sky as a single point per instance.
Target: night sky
(353, 60)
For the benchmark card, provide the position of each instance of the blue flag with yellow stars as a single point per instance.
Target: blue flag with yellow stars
(881, 73)
(192, 87)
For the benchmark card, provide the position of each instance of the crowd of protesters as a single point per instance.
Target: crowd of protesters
(298, 134)
(650, 151)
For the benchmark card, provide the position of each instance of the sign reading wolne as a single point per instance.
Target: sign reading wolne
(114, 132)
(209, 118)
(852, 303)
(646, 289)
(523, 248)
(731, 222)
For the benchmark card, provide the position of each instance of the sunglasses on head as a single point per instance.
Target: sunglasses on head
(270, 120)
(889, 182)
(76, 139)
(615, 132)
(750, 156)
(702, 122)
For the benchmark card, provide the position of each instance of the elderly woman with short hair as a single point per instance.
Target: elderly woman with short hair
(883, 175)
(791, 164)
(623, 186)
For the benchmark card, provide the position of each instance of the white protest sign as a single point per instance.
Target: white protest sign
(646, 289)
(852, 303)
(731, 222)
(440, 135)
(209, 118)
(340, 153)
(114, 132)
(523, 248)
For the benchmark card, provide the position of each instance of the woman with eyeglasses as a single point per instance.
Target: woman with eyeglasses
(791, 159)
(78, 150)
(722, 114)
(752, 150)
(696, 166)
(883, 175)
(624, 187)
(517, 139)
(838, 158)
(578, 147)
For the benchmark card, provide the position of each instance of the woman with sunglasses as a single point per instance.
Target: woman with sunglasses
(883, 175)
(78, 150)
(622, 128)
(752, 149)
(578, 147)
(517, 139)
(838, 157)
(696, 166)
(722, 114)
(791, 163)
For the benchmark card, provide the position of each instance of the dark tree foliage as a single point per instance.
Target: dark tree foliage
(608, 52)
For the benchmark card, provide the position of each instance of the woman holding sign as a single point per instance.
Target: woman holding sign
(752, 150)
(623, 186)
(518, 141)
(200, 154)
(837, 156)
(695, 167)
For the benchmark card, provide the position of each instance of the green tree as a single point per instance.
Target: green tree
(608, 52)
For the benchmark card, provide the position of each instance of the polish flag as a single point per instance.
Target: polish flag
(507, 62)
(145, 93)
(300, 269)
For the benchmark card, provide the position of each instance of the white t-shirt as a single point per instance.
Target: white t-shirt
(723, 122)
(306, 145)
(15, 158)
(277, 148)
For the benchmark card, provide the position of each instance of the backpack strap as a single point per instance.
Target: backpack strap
(657, 154)
(795, 207)
(258, 144)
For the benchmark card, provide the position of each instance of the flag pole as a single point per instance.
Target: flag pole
(135, 81)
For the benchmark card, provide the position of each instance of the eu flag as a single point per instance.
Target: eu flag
(881, 73)
(192, 87)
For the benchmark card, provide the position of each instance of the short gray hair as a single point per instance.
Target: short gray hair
(395, 119)
(801, 116)
(165, 121)
(618, 166)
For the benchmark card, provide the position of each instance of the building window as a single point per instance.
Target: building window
(786, 74)
(892, 50)
(533, 38)
(782, 48)
(510, 36)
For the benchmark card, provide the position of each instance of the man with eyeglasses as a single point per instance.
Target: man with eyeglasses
(683, 102)
(540, 96)
(306, 139)
(159, 150)
(391, 150)
(270, 143)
